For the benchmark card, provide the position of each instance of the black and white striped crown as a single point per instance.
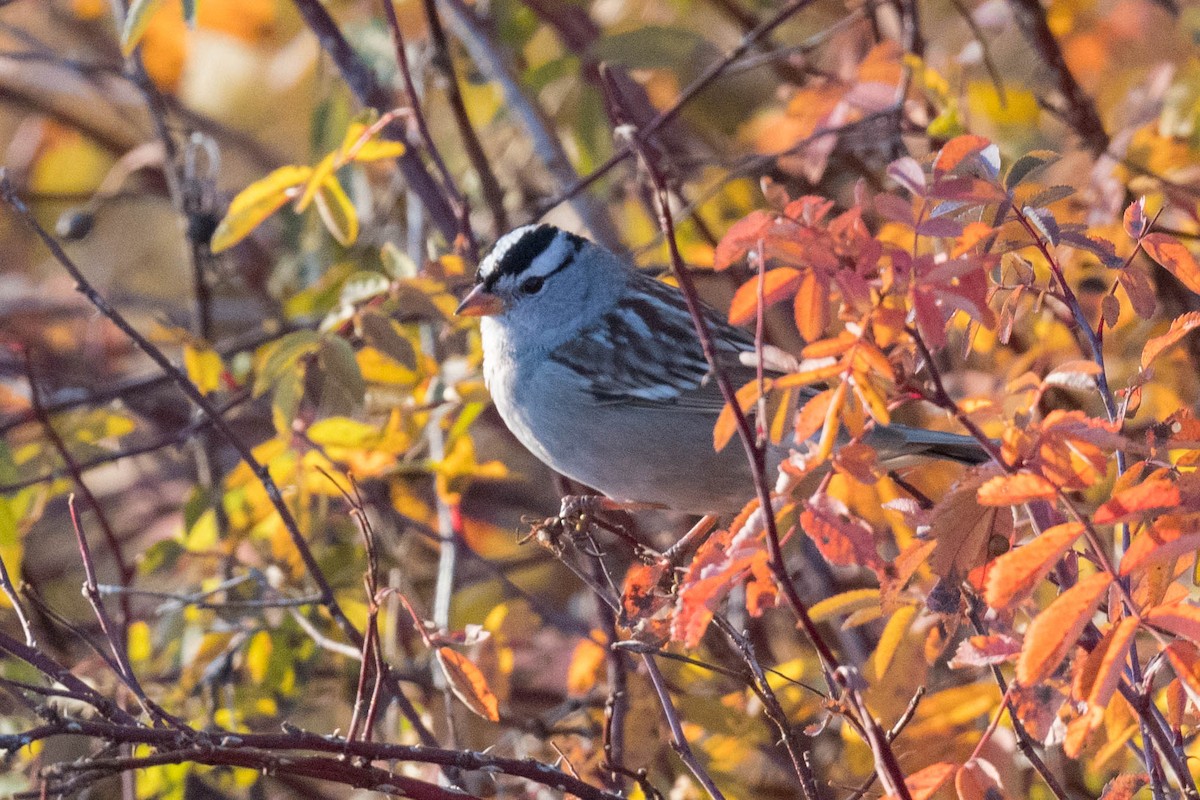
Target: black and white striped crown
(534, 250)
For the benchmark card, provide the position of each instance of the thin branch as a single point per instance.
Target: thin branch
(1080, 112)
(84, 287)
(679, 742)
(371, 93)
(490, 58)
(489, 184)
(714, 71)
(886, 764)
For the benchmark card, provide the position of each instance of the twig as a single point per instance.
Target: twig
(455, 196)
(14, 600)
(489, 184)
(890, 773)
(679, 742)
(1080, 111)
(709, 75)
(114, 635)
(489, 57)
(83, 286)
(371, 93)
(775, 712)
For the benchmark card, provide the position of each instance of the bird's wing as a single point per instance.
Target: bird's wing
(645, 352)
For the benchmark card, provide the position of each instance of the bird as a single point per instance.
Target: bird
(595, 367)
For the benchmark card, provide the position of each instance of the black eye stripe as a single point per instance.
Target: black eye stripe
(518, 258)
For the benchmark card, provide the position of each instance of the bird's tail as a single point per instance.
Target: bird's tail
(898, 443)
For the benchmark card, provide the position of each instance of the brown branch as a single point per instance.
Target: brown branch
(84, 287)
(836, 675)
(679, 742)
(1080, 112)
(489, 184)
(714, 71)
(371, 93)
(294, 740)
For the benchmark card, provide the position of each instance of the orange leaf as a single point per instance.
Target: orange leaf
(468, 684)
(1152, 495)
(777, 284)
(811, 307)
(1177, 618)
(1186, 663)
(955, 150)
(726, 421)
(586, 663)
(843, 541)
(741, 236)
(1015, 573)
(1124, 787)
(1174, 258)
(1101, 670)
(978, 780)
(827, 348)
(1056, 630)
(923, 784)
(973, 234)
(811, 417)
(1169, 537)
(1180, 327)
(1011, 490)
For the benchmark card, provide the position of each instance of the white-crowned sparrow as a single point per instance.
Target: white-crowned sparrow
(596, 368)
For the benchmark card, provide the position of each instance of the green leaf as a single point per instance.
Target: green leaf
(280, 357)
(397, 263)
(388, 338)
(137, 19)
(256, 203)
(363, 286)
(1027, 165)
(337, 212)
(342, 384)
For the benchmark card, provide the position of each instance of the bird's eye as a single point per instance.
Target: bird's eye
(532, 285)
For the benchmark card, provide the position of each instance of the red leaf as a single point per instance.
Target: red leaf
(923, 784)
(1174, 258)
(1124, 787)
(1056, 630)
(1135, 219)
(1178, 618)
(741, 237)
(985, 651)
(1180, 327)
(957, 149)
(842, 540)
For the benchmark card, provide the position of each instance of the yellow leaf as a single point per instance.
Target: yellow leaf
(204, 368)
(893, 635)
(343, 432)
(378, 150)
(140, 646)
(255, 203)
(137, 18)
(468, 684)
(844, 603)
(258, 656)
(337, 212)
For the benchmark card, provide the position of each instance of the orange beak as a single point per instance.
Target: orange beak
(479, 303)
